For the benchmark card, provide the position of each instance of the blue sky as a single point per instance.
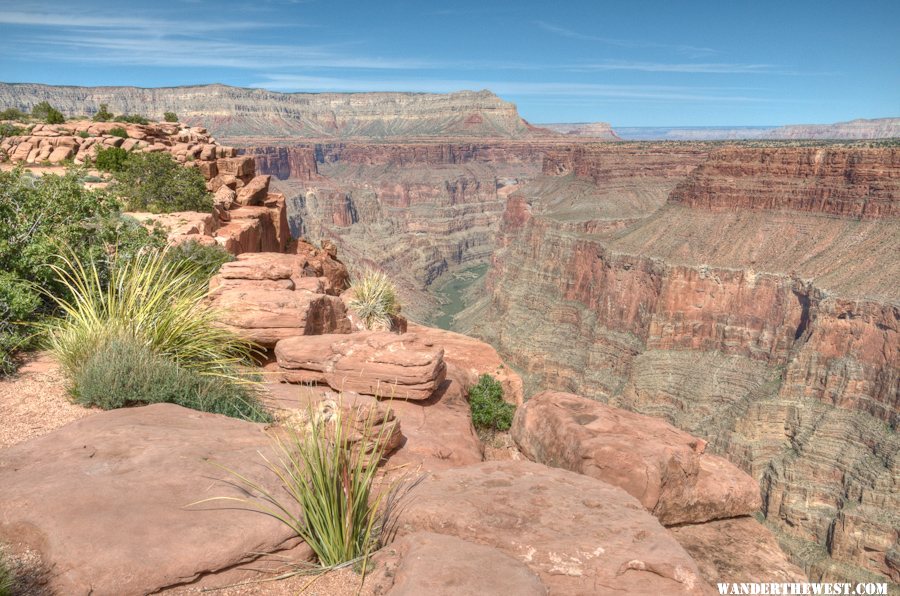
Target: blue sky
(631, 63)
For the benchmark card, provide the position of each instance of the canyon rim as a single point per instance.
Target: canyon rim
(685, 288)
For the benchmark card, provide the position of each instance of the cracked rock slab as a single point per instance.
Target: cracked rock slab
(578, 534)
(104, 500)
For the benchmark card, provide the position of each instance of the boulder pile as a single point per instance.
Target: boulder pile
(246, 217)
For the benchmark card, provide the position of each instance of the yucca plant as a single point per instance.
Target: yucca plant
(332, 502)
(149, 299)
(374, 299)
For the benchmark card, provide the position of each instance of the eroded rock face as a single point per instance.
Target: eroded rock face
(234, 111)
(578, 534)
(376, 363)
(737, 550)
(104, 500)
(858, 182)
(769, 330)
(664, 468)
(441, 565)
(266, 297)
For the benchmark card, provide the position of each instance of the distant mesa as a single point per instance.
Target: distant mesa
(237, 112)
(860, 129)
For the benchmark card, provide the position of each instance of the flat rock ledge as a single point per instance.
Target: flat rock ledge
(577, 534)
(104, 500)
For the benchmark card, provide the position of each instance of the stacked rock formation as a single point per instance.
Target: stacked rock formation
(246, 217)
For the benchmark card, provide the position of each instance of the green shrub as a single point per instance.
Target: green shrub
(84, 134)
(103, 114)
(170, 117)
(124, 372)
(202, 260)
(374, 300)
(18, 301)
(155, 182)
(132, 119)
(9, 130)
(489, 411)
(44, 111)
(111, 159)
(332, 501)
(7, 579)
(118, 131)
(38, 218)
(13, 114)
(157, 303)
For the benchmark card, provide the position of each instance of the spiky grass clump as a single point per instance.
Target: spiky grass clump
(374, 300)
(332, 502)
(157, 302)
(144, 331)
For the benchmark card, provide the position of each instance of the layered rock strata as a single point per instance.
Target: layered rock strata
(238, 112)
(770, 329)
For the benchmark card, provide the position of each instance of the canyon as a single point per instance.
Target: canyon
(746, 293)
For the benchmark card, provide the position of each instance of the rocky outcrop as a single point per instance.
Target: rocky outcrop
(578, 535)
(383, 364)
(737, 550)
(246, 217)
(79, 141)
(237, 112)
(298, 163)
(854, 182)
(123, 479)
(770, 330)
(666, 469)
(267, 297)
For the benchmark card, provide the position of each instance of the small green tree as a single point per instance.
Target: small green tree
(132, 119)
(13, 114)
(103, 114)
(9, 130)
(118, 131)
(489, 411)
(111, 159)
(155, 182)
(44, 111)
(170, 117)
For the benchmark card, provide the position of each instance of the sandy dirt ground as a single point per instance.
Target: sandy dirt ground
(35, 402)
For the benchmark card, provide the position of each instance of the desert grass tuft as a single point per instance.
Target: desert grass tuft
(374, 299)
(333, 501)
(7, 579)
(157, 302)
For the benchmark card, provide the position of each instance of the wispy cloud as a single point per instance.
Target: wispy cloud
(684, 67)
(688, 50)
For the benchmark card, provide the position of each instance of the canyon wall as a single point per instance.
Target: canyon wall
(752, 301)
(415, 210)
(237, 112)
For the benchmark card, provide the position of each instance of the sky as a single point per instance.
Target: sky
(628, 62)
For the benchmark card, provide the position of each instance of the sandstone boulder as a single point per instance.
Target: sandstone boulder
(737, 550)
(376, 363)
(104, 500)
(441, 565)
(254, 193)
(437, 432)
(578, 534)
(310, 263)
(239, 167)
(666, 469)
(265, 315)
(473, 358)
